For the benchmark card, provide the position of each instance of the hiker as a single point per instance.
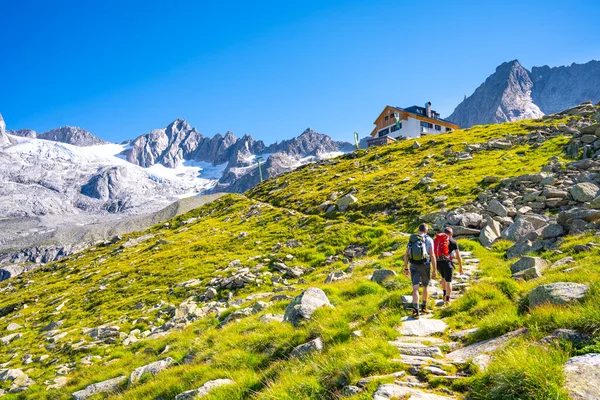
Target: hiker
(444, 247)
(419, 252)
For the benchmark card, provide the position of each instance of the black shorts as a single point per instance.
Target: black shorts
(445, 268)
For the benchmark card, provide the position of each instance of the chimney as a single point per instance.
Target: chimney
(428, 109)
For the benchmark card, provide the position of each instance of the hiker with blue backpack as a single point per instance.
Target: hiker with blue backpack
(420, 255)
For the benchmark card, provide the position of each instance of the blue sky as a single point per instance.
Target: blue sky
(266, 68)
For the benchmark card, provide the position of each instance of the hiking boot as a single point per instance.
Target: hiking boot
(415, 313)
(447, 301)
(425, 309)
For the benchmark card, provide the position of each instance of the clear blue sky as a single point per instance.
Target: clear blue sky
(269, 69)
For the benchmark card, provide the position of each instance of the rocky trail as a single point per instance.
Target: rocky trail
(424, 349)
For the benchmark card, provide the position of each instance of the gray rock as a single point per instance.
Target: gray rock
(381, 275)
(271, 318)
(13, 327)
(497, 208)
(528, 274)
(552, 231)
(582, 377)
(416, 349)
(557, 293)
(563, 261)
(527, 263)
(203, 390)
(584, 192)
(305, 304)
(490, 233)
(152, 369)
(336, 276)
(519, 249)
(345, 201)
(393, 391)
(111, 385)
(351, 390)
(463, 355)
(519, 230)
(570, 335)
(315, 345)
(422, 327)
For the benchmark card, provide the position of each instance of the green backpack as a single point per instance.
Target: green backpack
(417, 249)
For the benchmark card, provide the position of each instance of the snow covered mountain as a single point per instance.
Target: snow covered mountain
(42, 175)
(513, 93)
(67, 134)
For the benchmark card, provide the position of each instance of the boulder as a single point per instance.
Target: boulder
(305, 304)
(582, 377)
(315, 345)
(152, 368)
(519, 249)
(494, 206)
(552, 231)
(557, 293)
(525, 263)
(345, 201)
(108, 386)
(490, 233)
(519, 230)
(13, 327)
(381, 275)
(584, 191)
(203, 390)
(471, 220)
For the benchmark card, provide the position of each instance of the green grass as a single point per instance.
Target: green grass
(133, 287)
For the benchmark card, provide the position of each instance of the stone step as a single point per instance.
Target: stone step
(416, 349)
(396, 391)
(411, 384)
(421, 339)
(421, 361)
(421, 327)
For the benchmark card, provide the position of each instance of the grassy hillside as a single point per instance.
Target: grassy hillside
(140, 286)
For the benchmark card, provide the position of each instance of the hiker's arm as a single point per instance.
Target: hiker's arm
(406, 262)
(433, 263)
(459, 258)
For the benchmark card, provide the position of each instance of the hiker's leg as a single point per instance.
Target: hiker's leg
(448, 277)
(415, 277)
(415, 294)
(425, 274)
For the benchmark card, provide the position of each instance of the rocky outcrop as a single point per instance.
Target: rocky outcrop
(557, 293)
(203, 390)
(512, 93)
(152, 369)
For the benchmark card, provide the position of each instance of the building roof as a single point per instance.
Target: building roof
(416, 109)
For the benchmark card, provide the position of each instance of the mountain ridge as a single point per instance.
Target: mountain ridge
(513, 93)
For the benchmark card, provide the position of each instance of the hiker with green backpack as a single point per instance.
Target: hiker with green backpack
(420, 255)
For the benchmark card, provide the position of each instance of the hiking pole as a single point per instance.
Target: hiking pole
(259, 170)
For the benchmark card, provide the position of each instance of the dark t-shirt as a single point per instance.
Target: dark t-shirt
(452, 246)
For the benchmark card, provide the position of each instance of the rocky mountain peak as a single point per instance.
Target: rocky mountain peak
(66, 134)
(513, 93)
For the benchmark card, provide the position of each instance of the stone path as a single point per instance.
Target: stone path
(427, 355)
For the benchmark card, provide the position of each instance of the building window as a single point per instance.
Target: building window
(448, 129)
(384, 132)
(438, 128)
(386, 117)
(394, 129)
(426, 124)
